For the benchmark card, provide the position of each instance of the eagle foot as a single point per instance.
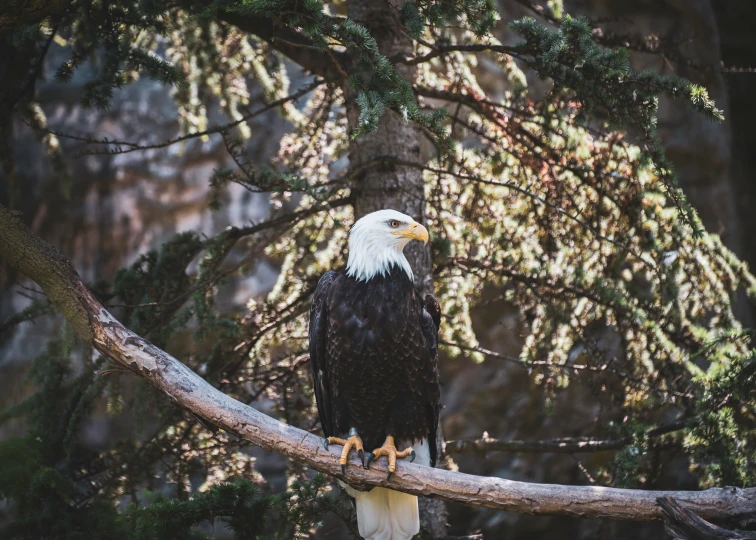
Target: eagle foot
(389, 449)
(353, 441)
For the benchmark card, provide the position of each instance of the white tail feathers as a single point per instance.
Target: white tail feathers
(383, 514)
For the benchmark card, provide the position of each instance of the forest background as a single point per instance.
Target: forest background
(550, 341)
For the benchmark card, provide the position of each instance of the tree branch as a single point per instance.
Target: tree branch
(290, 43)
(17, 13)
(440, 50)
(126, 147)
(683, 524)
(566, 445)
(47, 266)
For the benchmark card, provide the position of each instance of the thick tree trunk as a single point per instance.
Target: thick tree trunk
(389, 185)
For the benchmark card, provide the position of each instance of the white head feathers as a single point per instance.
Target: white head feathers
(376, 242)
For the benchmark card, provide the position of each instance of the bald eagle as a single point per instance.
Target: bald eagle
(373, 352)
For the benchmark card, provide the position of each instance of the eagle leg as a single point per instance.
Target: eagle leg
(389, 449)
(353, 441)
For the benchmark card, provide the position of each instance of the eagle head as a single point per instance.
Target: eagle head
(376, 243)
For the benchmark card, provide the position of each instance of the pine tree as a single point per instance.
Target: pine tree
(564, 205)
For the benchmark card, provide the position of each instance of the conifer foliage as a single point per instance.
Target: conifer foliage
(563, 202)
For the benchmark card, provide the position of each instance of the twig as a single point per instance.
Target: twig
(568, 367)
(440, 50)
(565, 445)
(134, 147)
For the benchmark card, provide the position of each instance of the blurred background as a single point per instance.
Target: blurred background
(109, 215)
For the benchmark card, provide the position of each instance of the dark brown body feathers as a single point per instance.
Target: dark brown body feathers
(373, 351)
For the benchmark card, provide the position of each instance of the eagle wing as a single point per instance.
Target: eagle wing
(318, 342)
(430, 321)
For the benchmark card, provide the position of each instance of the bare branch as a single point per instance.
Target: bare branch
(134, 147)
(444, 49)
(565, 445)
(600, 369)
(683, 524)
(45, 265)
(235, 233)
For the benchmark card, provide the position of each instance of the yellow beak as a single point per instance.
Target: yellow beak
(414, 232)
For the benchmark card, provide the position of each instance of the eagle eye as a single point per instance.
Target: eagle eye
(393, 223)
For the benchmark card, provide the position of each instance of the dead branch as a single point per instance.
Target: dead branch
(683, 524)
(49, 268)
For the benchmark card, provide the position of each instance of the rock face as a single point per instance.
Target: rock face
(114, 208)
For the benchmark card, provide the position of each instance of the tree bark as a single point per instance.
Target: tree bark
(683, 524)
(63, 286)
(389, 185)
(392, 185)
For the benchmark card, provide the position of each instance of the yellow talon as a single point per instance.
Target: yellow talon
(353, 441)
(389, 449)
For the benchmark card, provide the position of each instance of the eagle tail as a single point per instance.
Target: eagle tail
(384, 514)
